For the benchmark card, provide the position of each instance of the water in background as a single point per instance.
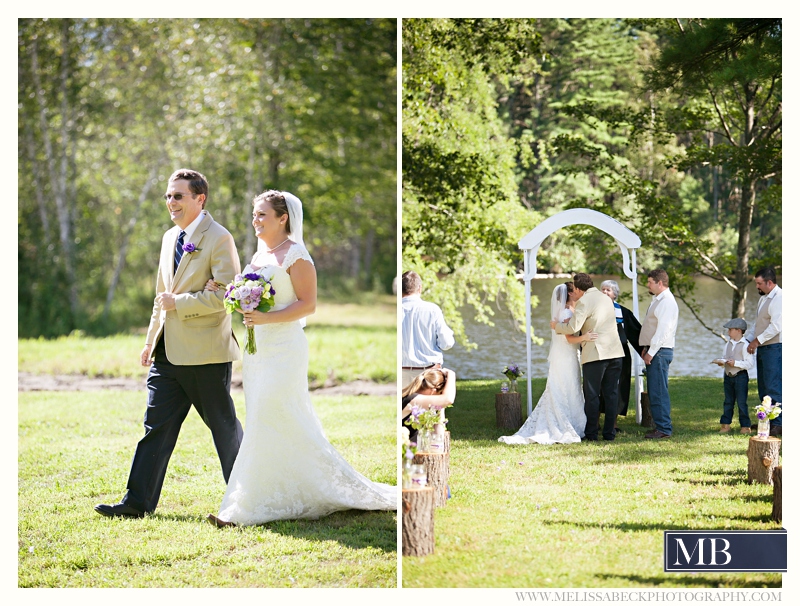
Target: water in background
(503, 344)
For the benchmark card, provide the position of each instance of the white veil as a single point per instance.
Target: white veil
(295, 208)
(558, 302)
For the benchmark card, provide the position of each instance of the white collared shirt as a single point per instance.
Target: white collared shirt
(748, 360)
(774, 311)
(425, 333)
(190, 229)
(665, 310)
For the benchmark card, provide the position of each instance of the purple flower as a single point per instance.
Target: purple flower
(251, 276)
(761, 415)
(271, 290)
(189, 247)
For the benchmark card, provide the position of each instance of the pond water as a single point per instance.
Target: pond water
(502, 343)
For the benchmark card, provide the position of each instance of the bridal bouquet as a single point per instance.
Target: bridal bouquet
(512, 371)
(249, 292)
(766, 410)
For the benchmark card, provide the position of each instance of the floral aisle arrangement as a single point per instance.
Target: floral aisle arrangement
(424, 420)
(249, 292)
(512, 373)
(766, 411)
(407, 451)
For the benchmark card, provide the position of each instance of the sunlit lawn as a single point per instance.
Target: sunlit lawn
(347, 341)
(75, 451)
(589, 514)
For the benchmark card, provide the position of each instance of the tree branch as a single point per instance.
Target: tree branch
(728, 135)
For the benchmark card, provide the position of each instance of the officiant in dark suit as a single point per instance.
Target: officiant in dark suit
(628, 328)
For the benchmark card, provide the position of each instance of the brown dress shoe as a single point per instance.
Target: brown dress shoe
(745, 430)
(723, 428)
(657, 435)
(212, 519)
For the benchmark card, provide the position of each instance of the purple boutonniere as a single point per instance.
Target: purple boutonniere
(189, 247)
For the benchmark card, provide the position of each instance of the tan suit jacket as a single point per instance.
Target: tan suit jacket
(198, 330)
(595, 311)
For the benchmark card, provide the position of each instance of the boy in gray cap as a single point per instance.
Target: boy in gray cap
(736, 362)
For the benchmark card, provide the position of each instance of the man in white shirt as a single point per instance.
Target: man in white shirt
(657, 340)
(425, 333)
(766, 341)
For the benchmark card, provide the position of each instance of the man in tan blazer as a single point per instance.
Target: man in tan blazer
(601, 359)
(189, 347)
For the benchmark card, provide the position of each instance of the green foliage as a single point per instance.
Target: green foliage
(108, 108)
(75, 451)
(460, 213)
(518, 516)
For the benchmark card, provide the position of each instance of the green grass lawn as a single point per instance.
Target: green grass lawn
(590, 514)
(347, 341)
(75, 451)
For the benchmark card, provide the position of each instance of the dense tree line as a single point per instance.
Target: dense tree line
(672, 126)
(108, 108)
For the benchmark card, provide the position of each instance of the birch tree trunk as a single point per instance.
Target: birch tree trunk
(126, 236)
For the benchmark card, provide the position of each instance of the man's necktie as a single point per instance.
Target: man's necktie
(178, 251)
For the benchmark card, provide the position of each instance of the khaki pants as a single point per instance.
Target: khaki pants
(408, 376)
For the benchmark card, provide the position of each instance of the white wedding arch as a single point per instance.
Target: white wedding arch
(628, 243)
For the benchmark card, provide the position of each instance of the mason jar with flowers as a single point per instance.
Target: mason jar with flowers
(513, 372)
(766, 411)
(423, 420)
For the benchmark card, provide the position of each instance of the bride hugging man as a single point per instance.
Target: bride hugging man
(601, 358)
(585, 318)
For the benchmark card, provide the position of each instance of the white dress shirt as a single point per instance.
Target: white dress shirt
(189, 231)
(660, 323)
(425, 333)
(730, 351)
(769, 318)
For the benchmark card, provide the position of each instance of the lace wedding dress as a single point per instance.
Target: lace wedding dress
(286, 468)
(559, 416)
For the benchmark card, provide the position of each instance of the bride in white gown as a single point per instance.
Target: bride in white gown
(286, 468)
(558, 416)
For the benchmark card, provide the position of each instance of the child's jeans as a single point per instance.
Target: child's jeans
(735, 391)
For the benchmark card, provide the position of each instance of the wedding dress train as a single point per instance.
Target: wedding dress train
(286, 468)
(559, 416)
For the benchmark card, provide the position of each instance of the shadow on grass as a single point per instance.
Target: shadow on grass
(696, 405)
(640, 527)
(352, 528)
(688, 581)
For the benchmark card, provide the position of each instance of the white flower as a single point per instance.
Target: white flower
(767, 401)
(244, 291)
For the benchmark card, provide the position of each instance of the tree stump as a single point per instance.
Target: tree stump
(447, 441)
(508, 411)
(437, 468)
(762, 459)
(647, 416)
(777, 493)
(418, 508)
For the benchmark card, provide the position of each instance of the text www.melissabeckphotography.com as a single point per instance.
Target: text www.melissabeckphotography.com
(648, 596)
